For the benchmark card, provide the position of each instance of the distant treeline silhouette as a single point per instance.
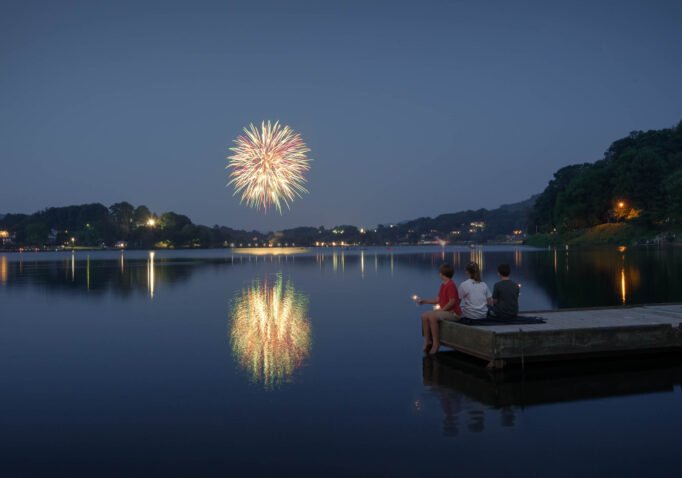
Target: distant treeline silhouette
(638, 182)
(137, 227)
(97, 225)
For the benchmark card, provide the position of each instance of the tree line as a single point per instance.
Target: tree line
(639, 180)
(95, 225)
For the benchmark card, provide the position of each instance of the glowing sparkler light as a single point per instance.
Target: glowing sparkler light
(270, 333)
(268, 166)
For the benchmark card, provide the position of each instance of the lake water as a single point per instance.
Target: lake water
(209, 363)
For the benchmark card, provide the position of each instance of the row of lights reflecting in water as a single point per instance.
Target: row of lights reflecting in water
(270, 332)
(338, 262)
(150, 270)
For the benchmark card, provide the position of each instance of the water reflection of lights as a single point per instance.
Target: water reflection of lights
(362, 264)
(150, 274)
(4, 273)
(622, 284)
(73, 266)
(518, 257)
(263, 251)
(477, 256)
(270, 333)
(555, 262)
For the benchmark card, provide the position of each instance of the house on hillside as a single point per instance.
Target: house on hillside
(6, 238)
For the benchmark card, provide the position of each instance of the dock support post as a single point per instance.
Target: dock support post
(496, 364)
(523, 358)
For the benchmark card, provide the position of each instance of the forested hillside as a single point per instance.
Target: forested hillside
(639, 181)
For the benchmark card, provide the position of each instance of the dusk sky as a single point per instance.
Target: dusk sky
(409, 108)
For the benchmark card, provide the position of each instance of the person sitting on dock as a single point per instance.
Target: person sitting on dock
(476, 296)
(448, 309)
(505, 295)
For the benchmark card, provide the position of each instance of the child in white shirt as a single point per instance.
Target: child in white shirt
(476, 297)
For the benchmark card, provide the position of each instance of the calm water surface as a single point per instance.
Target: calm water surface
(208, 363)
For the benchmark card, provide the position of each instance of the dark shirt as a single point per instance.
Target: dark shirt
(507, 294)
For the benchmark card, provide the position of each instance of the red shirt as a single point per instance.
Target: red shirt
(448, 291)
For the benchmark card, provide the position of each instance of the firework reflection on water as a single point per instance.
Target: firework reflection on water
(270, 333)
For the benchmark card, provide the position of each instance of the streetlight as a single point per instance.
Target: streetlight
(151, 222)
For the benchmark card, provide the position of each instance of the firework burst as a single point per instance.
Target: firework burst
(268, 166)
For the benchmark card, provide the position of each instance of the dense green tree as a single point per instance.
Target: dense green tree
(673, 191)
(141, 215)
(36, 233)
(173, 221)
(122, 213)
(634, 180)
(543, 215)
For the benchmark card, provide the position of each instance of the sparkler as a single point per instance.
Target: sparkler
(268, 166)
(270, 333)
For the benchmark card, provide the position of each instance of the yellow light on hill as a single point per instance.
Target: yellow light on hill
(151, 222)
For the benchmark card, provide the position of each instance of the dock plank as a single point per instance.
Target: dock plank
(571, 333)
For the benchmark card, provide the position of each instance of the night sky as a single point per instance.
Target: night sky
(410, 108)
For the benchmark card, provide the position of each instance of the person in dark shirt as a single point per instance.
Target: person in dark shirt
(505, 295)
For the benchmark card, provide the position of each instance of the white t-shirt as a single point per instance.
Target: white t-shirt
(474, 297)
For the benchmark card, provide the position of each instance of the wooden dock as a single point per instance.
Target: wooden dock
(571, 333)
